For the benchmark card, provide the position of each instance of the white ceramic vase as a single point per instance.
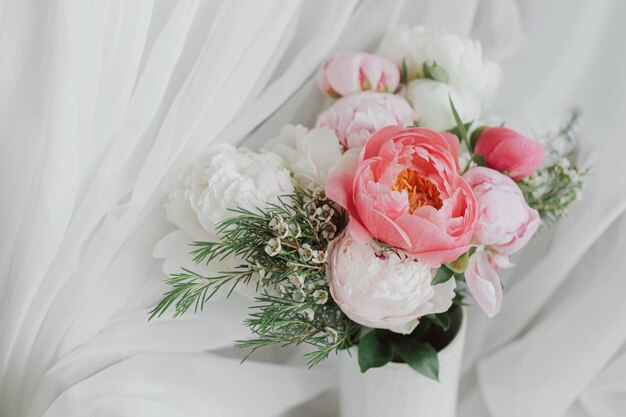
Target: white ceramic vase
(396, 390)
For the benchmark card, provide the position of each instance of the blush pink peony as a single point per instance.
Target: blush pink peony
(355, 118)
(504, 224)
(506, 150)
(504, 220)
(383, 289)
(483, 281)
(404, 189)
(353, 72)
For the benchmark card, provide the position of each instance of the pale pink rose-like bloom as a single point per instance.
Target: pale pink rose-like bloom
(353, 72)
(506, 150)
(504, 224)
(381, 288)
(404, 189)
(355, 118)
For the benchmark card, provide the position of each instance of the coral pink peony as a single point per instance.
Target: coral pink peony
(404, 189)
(353, 72)
(504, 224)
(355, 118)
(506, 150)
(383, 289)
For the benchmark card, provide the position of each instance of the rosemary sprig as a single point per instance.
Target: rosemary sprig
(281, 250)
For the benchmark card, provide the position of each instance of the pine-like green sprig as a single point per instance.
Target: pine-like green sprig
(281, 250)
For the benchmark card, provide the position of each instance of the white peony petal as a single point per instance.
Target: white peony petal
(431, 101)
(308, 154)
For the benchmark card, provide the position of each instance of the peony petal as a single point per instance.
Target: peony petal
(343, 73)
(506, 150)
(429, 243)
(339, 184)
(382, 227)
(359, 232)
(444, 294)
(484, 283)
(378, 139)
(520, 157)
(405, 328)
(454, 144)
(524, 234)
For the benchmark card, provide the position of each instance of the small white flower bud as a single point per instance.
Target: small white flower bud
(295, 231)
(296, 280)
(305, 252)
(319, 256)
(273, 247)
(331, 335)
(320, 296)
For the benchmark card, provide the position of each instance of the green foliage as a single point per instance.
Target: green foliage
(443, 275)
(553, 189)
(556, 186)
(461, 128)
(420, 356)
(459, 264)
(456, 132)
(379, 347)
(474, 137)
(442, 320)
(435, 72)
(280, 250)
(374, 352)
(404, 76)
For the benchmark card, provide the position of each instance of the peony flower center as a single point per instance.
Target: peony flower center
(420, 190)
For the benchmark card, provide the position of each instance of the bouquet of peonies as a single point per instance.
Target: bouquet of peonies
(370, 229)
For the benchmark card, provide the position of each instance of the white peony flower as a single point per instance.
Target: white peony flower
(309, 154)
(222, 178)
(383, 289)
(460, 57)
(430, 100)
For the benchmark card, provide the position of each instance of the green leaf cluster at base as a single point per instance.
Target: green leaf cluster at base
(378, 347)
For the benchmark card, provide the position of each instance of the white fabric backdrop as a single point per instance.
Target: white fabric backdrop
(101, 100)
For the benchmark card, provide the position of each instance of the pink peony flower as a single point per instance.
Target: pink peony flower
(355, 118)
(504, 221)
(404, 189)
(383, 289)
(506, 150)
(483, 281)
(353, 72)
(504, 224)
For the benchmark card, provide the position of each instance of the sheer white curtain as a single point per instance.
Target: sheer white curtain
(101, 100)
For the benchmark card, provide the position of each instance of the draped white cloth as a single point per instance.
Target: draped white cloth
(102, 100)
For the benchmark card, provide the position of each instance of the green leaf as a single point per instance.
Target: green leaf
(420, 356)
(443, 275)
(459, 123)
(455, 130)
(442, 320)
(422, 328)
(435, 72)
(373, 352)
(480, 161)
(404, 75)
(475, 135)
(459, 265)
